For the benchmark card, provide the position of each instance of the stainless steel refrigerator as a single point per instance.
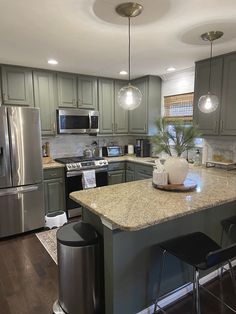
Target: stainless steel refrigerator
(21, 187)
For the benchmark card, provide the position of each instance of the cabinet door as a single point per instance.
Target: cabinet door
(17, 86)
(116, 177)
(67, 93)
(143, 172)
(87, 92)
(138, 116)
(208, 122)
(228, 104)
(54, 195)
(44, 93)
(106, 106)
(129, 175)
(121, 115)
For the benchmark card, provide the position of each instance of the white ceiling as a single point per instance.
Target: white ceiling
(86, 36)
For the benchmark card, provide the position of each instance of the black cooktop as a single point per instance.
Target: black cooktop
(69, 160)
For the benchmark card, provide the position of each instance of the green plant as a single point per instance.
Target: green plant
(180, 140)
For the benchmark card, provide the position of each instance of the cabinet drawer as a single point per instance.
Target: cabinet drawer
(130, 166)
(53, 173)
(116, 166)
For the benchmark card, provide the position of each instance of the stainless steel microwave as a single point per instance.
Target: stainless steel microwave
(77, 121)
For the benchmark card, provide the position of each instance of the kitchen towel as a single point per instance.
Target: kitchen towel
(89, 179)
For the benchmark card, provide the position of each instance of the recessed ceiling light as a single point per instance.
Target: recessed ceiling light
(52, 61)
(123, 73)
(170, 69)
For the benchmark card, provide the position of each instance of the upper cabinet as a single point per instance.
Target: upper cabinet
(106, 106)
(44, 93)
(208, 122)
(87, 92)
(67, 90)
(221, 121)
(113, 118)
(142, 119)
(120, 114)
(228, 110)
(17, 86)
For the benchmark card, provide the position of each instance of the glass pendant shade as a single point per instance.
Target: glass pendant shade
(208, 103)
(129, 97)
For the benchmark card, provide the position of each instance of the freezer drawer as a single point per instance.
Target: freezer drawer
(21, 209)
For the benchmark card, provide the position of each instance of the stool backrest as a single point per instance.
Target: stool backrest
(222, 255)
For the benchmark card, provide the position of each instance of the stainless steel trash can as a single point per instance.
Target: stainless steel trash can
(78, 266)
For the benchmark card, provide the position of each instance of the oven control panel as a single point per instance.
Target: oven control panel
(91, 164)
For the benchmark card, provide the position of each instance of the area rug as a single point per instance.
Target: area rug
(49, 241)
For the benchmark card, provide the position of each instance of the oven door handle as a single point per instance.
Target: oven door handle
(80, 172)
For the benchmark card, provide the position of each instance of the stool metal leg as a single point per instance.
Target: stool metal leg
(232, 275)
(196, 292)
(157, 307)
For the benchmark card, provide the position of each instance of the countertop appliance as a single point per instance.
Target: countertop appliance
(143, 148)
(74, 167)
(21, 188)
(77, 121)
(112, 151)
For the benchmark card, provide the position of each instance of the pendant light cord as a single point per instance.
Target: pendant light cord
(209, 83)
(129, 48)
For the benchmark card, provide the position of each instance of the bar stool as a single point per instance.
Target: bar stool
(202, 253)
(228, 225)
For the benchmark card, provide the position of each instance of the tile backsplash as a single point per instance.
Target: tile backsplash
(73, 145)
(225, 146)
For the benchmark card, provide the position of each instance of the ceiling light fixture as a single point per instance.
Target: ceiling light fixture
(52, 61)
(123, 72)
(129, 96)
(209, 102)
(170, 69)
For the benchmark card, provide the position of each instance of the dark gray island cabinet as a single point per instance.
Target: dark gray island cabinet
(133, 218)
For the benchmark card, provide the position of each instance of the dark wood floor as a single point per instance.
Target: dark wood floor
(28, 282)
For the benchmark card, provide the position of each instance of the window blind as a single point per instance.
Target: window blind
(178, 107)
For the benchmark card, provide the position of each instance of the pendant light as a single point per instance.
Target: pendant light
(209, 102)
(129, 96)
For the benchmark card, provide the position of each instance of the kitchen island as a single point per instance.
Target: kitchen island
(134, 217)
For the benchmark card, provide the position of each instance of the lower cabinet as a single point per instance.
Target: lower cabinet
(54, 190)
(129, 175)
(116, 173)
(142, 172)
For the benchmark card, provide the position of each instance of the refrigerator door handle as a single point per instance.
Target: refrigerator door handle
(19, 190)
(1, 151)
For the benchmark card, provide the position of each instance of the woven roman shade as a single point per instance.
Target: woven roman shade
(178, 107)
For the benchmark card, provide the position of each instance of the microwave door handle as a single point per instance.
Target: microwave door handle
(90, 122)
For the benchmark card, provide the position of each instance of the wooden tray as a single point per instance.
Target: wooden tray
(188, 185)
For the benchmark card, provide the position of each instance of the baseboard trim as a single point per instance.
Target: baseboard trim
(184, 290)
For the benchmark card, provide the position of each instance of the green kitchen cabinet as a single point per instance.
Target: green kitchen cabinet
(17, 86)
(130, 168)
(228, 103)
(120, 114)
(87, 92)
(142, 172)
(116, 177)
(116, 173)
(106, 105)
(67, 90)
(208, 122)
(54, 190)
(44, 93)
(142, 119)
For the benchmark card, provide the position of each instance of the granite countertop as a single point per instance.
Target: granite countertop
(52, 164)
(132, 158)
(136, 205)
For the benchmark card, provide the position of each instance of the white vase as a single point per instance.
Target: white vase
(177, 169)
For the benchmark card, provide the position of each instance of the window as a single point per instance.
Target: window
(179, 107)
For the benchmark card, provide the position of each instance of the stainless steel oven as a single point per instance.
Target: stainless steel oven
(74, 167)
(77, 121)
